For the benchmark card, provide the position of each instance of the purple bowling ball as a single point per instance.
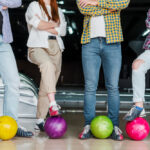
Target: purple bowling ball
(55, 127)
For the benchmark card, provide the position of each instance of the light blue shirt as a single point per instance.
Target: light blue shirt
(7, 33)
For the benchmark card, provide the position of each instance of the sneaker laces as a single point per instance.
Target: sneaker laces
(86, 129)
(130, 112)
(22, 128)
(117, 130)
(56, 107)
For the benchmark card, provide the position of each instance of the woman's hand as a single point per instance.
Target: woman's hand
(52, 31)
(45, 25)
(55, 24)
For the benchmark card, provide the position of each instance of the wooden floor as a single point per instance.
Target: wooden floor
(70, 141)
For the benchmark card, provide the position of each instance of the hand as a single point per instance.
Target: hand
(52, 31)
(4, 8)
(55, 24)
(84, 3)
(112, 10)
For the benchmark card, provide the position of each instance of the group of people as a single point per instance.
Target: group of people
(101, 45)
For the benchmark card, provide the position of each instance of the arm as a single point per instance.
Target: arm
(33, 19)
(44, 25)
(115, 5)
(92, 10)
(53, 31)
(10, 3)
(63, 24)
(148, 20)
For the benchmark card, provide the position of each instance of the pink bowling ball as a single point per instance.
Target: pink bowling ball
(138, 129)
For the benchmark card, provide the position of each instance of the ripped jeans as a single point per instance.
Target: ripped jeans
(138, 76)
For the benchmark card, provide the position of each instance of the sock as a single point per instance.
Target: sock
(52, 103)
(38, 121)
(139, 108)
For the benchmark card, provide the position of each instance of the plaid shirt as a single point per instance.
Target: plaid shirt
(112, 19)
(147, 41)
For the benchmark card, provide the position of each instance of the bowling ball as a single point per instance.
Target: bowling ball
(8, 127)
(101, 127)
(138, 129)
(55, 127)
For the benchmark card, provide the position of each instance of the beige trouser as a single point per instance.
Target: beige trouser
(49, 62)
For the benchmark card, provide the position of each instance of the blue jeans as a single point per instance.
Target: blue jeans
(94, 54)
(10, 77)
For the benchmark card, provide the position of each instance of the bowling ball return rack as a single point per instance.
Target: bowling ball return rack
(70, 98)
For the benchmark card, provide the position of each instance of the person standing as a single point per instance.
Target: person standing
(140, 67)
(8, 67)
(46, 24)
(101, 45)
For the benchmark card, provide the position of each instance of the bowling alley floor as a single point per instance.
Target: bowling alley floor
(70, 141)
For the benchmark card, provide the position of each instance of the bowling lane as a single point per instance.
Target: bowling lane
(40, 141)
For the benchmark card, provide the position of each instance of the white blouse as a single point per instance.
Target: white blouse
(39, 38)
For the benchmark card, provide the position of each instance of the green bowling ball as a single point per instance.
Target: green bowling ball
(101, 127)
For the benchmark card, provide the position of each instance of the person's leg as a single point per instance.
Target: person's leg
(48, 88)
(139, 69)
(111, 61)
(91, 62)
(41, 58)
(10, 77)
(47, 68)
(57, 61)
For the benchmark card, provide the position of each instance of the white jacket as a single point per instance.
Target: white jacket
(39, 38)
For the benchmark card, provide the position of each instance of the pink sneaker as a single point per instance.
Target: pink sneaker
(54, 110)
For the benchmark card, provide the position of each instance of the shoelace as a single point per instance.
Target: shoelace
(23, 128)
(130, 112)
(117, 130)
(56, 107)
(86, 129)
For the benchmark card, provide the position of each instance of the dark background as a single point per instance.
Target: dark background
(134, 29)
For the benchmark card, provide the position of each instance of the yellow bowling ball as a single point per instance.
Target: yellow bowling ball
(8, 127)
